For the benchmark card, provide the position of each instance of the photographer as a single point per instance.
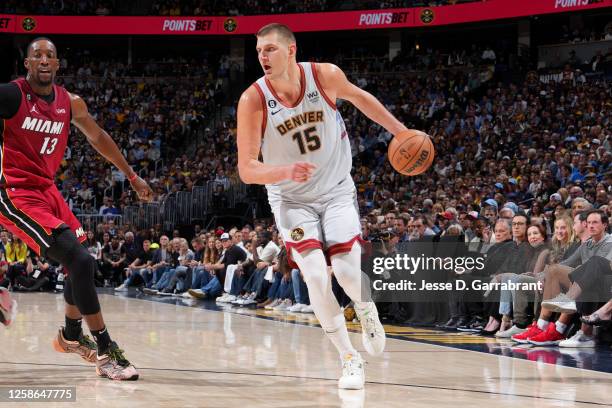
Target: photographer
(39, 274)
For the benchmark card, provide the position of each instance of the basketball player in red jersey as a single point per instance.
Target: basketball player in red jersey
(289, 116)
(36, 115)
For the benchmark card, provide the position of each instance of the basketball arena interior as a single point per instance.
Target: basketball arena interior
(203, 289)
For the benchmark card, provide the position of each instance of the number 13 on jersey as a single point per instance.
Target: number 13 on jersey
(48, 146)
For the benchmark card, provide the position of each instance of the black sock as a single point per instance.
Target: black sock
(103, 339)
(73, 329)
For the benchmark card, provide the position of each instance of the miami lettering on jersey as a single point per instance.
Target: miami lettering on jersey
(42, 126)
(299, 120)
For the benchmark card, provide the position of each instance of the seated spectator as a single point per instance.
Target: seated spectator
(113, 261)
(566, 239)
(138, 269)
(16, 256)
(599, 244)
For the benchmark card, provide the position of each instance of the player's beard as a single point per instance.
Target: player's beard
(45, 82)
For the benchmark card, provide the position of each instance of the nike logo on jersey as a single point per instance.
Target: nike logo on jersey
(42, 126)
(276, 111)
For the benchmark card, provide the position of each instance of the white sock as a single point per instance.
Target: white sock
(324, 304)
(542, 324)
(560, 326)
(340, 337)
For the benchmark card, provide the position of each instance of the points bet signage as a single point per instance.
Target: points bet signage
(328, 21)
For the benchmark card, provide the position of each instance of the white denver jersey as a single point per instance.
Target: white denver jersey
(311, 131)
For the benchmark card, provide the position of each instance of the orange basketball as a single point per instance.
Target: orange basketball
(411, 152)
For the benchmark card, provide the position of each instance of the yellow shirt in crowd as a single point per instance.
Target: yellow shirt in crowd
(16, 252)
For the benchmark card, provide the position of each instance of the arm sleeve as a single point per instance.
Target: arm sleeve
(10, 99)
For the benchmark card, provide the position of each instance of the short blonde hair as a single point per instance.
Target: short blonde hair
(282, 30)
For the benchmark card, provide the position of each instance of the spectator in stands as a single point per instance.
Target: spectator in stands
(264, 254)
(16, 256)
(544, 332)
(114, 261)
(137, 270)
(160, 261)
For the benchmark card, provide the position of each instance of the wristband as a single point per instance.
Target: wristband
(132, 177)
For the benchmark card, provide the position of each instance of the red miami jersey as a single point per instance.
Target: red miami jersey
(34, 139)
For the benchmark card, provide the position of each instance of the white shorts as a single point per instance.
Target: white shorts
(330, 223)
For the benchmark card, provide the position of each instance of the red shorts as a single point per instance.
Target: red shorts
(33, 214)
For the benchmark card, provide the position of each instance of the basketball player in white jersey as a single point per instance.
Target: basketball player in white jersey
(290, 116)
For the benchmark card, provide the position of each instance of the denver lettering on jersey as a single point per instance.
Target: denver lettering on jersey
(299, 120)
(42, 126)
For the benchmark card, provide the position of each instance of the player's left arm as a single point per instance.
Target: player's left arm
(337, 86)
(106, 146)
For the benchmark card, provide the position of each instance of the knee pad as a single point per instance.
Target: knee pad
(81, 268)
(68, 292)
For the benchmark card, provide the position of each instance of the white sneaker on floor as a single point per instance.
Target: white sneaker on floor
(121, 288)
(297, 308)
(353, 373)
(283, 305)
(560, 304)
(578, 340)
(272, 305)
(506, 334)
(224, 298)
(188, 295)
(372, 331)
(307, 309)
(249, 301)
(238, 300)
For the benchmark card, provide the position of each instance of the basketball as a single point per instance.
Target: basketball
(411, 152)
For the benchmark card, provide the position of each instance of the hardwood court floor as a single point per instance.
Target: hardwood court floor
(191, 357)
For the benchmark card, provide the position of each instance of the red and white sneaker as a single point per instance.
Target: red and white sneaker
(8, 307)
(524, 337)
(551, 337)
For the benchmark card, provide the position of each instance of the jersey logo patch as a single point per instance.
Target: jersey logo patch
(34, 109)
(297, 234)
(272, 103)
(313, 96)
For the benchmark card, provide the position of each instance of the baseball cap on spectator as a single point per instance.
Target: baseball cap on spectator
(595, 141)
(224, 236)
(506, 158)
(490, 202)
(447, 215)
(473, 215)
(552, 147)
(219, 232)
(555, 196)
(512, 206)
(499, 185)
(512, 181)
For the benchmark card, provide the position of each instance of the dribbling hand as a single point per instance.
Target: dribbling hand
(301, 172)
(142, 189)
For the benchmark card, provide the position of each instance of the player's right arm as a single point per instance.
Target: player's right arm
(251, 170)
